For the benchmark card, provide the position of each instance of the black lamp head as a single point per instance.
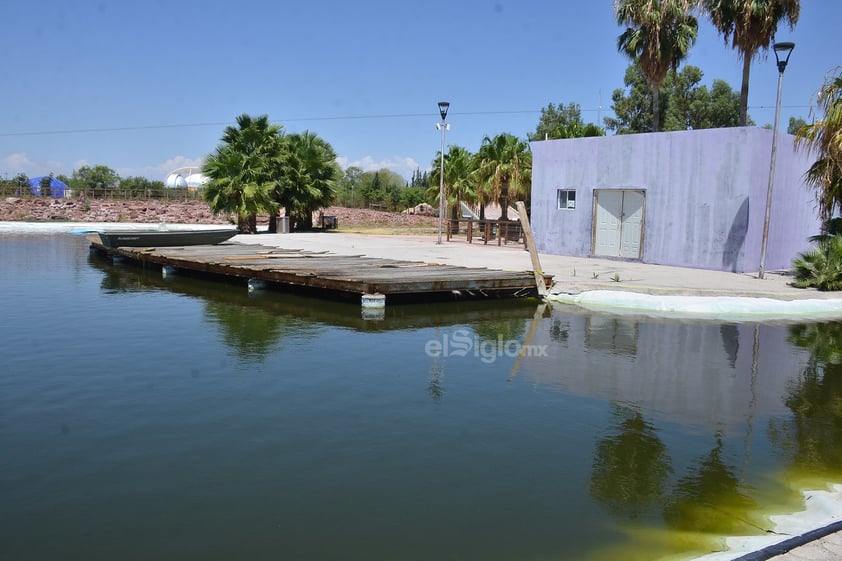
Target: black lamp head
(443, 107)
(784, 48)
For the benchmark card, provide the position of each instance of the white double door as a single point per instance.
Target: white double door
(618, 222)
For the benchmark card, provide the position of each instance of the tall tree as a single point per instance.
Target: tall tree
(140, 184)
(795, 124)
(420, 178)
(563, 122)
(504, 170)
(21, 181)
(459, 179)
(750, 26)
(824, 138)
(45, 185)
(658, 35)
(94, 177)
(686, 103)
(350, 186)
(244, 170)
(309, 178)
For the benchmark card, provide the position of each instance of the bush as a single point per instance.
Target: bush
(821, 267)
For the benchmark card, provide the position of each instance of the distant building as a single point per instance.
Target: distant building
(186, 178)
(175, 181)
(688, 198)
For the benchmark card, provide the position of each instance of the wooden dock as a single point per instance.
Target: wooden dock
(331, 275)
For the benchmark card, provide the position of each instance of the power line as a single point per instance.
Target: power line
(221, 124)
(305, 119)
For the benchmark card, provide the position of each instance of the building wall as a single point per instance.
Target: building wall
(705, 195)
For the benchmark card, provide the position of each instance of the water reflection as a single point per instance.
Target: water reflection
(631, 465)
(608, 333)
(822, 340)
(251, 332)
(253, 324)
(812, 436)
(730, 342)
(711, 498)
(631, 438)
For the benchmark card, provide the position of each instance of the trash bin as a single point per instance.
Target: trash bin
(283, 224)
(330, 222)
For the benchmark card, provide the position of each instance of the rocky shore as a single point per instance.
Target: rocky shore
(178, 212)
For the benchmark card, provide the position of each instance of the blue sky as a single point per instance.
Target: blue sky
(146, 87)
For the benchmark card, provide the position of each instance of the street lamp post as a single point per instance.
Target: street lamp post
(783, 49)
(443, 107)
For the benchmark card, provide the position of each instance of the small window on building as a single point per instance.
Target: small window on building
(566, 199)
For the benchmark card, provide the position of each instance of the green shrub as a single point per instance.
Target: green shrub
(821, 267)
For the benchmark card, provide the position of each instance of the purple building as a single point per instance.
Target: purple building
(687, 198)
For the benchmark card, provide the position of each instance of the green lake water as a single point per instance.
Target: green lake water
(144, 417)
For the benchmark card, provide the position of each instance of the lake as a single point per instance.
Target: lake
(144, 417)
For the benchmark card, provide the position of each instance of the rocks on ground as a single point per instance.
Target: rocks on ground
(178, 212)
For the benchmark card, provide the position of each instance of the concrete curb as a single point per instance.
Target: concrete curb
(786, 546)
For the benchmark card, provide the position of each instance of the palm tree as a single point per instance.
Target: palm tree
(504, 170)
(824, 137)
(244, 170)
(751, 27)
(658, 36)
(821, 266)
(459, 180)
(310, 178)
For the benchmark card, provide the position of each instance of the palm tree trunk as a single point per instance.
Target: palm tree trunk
(656, 108)
(243, 225)
(744, 89)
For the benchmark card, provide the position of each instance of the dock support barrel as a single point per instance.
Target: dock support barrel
(374, 301)
(374, 306)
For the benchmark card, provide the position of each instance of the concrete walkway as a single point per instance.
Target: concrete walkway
(573, 274)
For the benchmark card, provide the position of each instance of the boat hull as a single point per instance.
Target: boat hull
(161, 238)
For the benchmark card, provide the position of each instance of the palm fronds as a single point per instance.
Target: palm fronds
(824, 138)
(821, 267)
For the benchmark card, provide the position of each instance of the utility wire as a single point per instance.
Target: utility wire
(304, 119)
(281, 121)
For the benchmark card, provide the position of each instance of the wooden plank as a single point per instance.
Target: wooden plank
(533, 251)
(344, 273)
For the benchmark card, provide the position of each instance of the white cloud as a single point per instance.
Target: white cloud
(179, 162)
(18, 162)
(400, 165)
(162, 170)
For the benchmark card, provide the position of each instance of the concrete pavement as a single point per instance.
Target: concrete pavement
(573, 274)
